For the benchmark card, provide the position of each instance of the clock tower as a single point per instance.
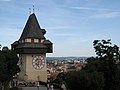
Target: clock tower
(32, 47)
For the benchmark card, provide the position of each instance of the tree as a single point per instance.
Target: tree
(83, 80)
(92, 64)
(101, 72)
(108, 56)
(8, 66)
(60, 78)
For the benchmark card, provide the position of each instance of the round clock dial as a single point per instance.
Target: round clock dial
(38, 62)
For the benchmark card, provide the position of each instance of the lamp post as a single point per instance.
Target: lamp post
(38, 83)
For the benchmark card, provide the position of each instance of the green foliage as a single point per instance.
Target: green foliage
(59, 78)
(77, 80)
(16, 88)
(97, 81)
(108, 56)
(89, 78)
(84, 80)
(8, 66)
(93, 64)
(106, 51)
(101, 73)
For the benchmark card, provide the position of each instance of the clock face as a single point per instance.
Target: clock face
(38, 62)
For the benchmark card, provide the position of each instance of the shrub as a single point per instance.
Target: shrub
(16, 88)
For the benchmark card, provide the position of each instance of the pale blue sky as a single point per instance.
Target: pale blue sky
(72, 25)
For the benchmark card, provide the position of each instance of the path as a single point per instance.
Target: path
(36, 88)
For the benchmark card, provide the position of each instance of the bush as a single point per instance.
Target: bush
(16, 88)
(83, 80)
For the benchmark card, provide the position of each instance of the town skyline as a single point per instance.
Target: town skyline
(72, 26)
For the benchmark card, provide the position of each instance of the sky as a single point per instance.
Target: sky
(72, 25)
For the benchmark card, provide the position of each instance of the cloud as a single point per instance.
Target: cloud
(99, 12)
(8, 35)
(59, 27)
(9, 32)
(106, 15)
(64, 34)
(6, 0)
(88, 8)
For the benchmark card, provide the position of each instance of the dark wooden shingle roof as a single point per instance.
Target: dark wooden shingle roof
(32, 29)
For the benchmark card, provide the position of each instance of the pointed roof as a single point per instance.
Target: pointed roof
(32, 29)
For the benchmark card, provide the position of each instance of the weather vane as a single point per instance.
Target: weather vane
(30, 10)
(33, 9)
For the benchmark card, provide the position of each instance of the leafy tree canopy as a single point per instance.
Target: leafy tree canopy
(101, 73)
(109, 56)
(8, 65)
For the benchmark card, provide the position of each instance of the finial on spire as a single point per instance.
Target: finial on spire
(33, 9)
(30, 10)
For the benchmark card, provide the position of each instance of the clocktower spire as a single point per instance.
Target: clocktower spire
(32, 47)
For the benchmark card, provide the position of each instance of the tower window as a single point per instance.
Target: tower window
(42, 40)
(22, 41)
(27, 40)
(36, 40)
